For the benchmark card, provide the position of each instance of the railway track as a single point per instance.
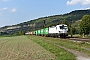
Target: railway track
(80, 39)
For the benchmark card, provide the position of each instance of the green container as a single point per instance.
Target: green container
(42, 31)
(46, 30)
(38, 32)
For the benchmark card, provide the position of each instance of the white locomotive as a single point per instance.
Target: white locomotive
(58, 30)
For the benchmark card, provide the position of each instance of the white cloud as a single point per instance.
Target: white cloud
(72, 2)
(2, 9)
(86, 2)
(14, 10)
(83, 2)
(5, 8)
(87, 8)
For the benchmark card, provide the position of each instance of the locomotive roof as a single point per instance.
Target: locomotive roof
(62, 24)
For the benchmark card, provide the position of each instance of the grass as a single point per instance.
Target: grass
(48, 44)
(39, 48)
(22, 48)
(79, 36)
(78, 46)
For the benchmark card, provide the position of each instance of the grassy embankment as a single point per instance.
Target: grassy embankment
(22, 48)
(49, 44)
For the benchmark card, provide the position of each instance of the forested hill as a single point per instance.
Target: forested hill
(50, 20)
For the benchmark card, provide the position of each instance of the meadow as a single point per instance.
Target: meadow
(63, 48)
(29, 47)
(22, 48)
(49, 44)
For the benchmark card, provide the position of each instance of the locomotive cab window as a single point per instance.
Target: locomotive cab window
(63, 27)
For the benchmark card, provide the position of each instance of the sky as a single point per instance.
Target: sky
(17, 11)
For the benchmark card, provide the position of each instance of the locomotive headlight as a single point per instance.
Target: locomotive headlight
(60, 31)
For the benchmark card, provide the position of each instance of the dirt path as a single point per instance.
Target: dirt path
(80, 39)
(79, 55)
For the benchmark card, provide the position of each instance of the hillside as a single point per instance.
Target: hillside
(39, 22)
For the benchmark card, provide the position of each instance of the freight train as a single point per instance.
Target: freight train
(60, 30)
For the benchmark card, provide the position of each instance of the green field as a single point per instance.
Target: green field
(48, 44)
(22, 48)
(39, 48)
(55, 45)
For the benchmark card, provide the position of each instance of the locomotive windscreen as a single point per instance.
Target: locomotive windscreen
(63, 27)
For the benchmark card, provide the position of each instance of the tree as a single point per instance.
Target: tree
(21, 32)
(0, 33)
(85, 25)
(17, 33)
(73, 30)
(65, 22)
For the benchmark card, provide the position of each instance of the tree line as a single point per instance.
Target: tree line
(85, 25)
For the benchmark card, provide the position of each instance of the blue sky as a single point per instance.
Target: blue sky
(18, 11)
